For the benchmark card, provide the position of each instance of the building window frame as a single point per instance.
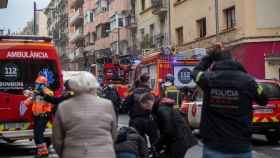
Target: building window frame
(180, 35)
(230, 17)
(202, 27)
(143, 5)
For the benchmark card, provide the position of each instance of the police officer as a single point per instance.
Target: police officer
(41, 113)
(227, 105)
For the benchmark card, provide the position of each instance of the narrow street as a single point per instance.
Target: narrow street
(26, 148)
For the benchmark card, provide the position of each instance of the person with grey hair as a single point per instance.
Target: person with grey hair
(85, 125)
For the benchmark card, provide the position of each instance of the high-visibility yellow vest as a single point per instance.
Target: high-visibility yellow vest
(173, 93)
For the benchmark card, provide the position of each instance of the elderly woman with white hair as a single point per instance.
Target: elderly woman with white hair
(85, 125)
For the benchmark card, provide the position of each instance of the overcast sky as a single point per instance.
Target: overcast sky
(18, 13)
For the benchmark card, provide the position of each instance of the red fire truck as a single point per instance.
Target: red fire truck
(158, 65)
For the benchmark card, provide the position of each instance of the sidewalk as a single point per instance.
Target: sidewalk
(196, 152)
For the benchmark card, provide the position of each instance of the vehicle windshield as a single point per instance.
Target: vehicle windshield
(272, 91)
(17, 75)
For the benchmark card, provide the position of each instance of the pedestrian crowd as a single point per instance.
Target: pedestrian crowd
(86, 118)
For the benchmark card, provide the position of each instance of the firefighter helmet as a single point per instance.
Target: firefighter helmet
(169, 78)
(41, 80)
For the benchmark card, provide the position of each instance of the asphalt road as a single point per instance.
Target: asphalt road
(26, 148)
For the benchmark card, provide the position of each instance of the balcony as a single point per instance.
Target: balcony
(77, 35)
(79, 52)
(76, 3)
(77, 18)
(160, 7)
(103, 43)
(123, 35)
(132, 24)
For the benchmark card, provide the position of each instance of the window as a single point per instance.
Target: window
(143, 4)
(201, 27)
(180, 35)
(105, 30)
(152, 29)
(121, 22)
(142, 33)
(230, 17)
(91, 16)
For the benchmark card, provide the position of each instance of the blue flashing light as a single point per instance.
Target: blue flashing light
(137, 62)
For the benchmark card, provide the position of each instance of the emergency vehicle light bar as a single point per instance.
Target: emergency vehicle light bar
(27, 38)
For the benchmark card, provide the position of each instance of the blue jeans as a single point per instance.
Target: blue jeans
(126, 155)
(209, 153)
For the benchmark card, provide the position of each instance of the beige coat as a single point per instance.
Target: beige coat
(85, 127)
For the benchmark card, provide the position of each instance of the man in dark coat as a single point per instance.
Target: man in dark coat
(130, 142)
(175, 134)
(111, 93)
(229, 93)
(140, 107)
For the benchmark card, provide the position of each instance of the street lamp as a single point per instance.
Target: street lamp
(217, 19)
(34, 16)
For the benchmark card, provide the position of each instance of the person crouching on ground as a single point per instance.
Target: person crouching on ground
(175, 135)
(130, 144)
(85, 125)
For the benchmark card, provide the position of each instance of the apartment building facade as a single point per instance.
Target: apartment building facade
(98, 29)
(250, 28)
(57, 26)
(76, 34)
(153, 24)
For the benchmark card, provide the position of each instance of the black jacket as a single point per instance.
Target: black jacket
(227, 105)
(113, 95)
(55, 101)
(133, 105)
(133, 143)
(175, 133)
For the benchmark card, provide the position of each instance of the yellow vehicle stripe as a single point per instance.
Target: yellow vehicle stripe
(260, 89)
(27, 44)
(26, 126)
(198, 76)
(274, 119)
(49, 125)
(11, 129)
(255, 119)
(1, 127)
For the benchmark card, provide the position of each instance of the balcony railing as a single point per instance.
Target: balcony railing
(77, 35)
(160, 7)
(132, 21)
(77, 18)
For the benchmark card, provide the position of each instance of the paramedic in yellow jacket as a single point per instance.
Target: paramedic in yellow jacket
(41, 113)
